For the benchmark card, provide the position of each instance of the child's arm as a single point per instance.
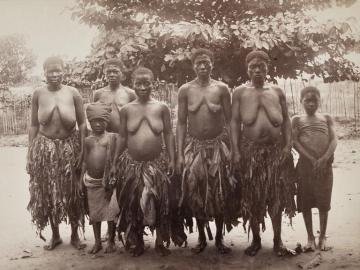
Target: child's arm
(297, 145)
(332, 142)
(169, 139)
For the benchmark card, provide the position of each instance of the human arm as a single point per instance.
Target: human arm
(34, 128)
(169, 138)
(181, 128)
(80, 119)
(285, 127)
(332, 143)
(235, 127)
(120, 139)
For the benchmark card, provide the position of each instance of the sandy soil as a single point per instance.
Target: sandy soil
(20, 248)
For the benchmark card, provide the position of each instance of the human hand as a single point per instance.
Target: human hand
(285, 152)
(320, 164)
(171, 168)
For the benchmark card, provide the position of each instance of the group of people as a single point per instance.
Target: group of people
(231, 159)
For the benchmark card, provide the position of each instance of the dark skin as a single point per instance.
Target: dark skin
(204, 110)
(95, 152)
(144, 123)
(318, 151)
(55, 111)
(262, 113)
(115, 94)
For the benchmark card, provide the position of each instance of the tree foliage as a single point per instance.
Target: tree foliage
(16, 60)
(161, 34)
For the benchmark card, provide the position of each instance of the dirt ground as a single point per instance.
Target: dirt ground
(20, 248)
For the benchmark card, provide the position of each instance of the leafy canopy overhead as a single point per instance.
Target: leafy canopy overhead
(160, 34)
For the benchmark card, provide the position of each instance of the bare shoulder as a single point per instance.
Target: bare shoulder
(295, 119)
(222, 86)
(277, 89)
(72, 90)
(38, 91)
(98, 92)
(238, 91)
(183, 90)
(88, 140)
(129, 91)
(163, 106)
(328, 117)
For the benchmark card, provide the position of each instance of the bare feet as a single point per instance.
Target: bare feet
(322, 244)
(253, 249)
(222, 249)
(111, 247)
(54, 242)
(199, 247)
(282, 250)
(162, 250)
(137, 250)
(310, 246)
(96, 248)
(76, 243)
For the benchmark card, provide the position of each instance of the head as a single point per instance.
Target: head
(98, 115)
(53, 70)
(98, 125)
(310, 99)
(203, 62)
(113, 71)
(257, 66)
(143, 82)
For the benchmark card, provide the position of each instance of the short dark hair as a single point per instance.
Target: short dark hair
(309, 89)
(257, 54)
(53, 60)
(114, 62)
(142, 71)
(202, 51)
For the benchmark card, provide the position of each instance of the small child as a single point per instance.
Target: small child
(98, 150)
(315, 141)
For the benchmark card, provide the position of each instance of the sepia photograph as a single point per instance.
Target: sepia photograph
(179, 134)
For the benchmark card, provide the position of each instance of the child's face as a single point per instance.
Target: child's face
(143, 85)
(310, 102)
(98, 126)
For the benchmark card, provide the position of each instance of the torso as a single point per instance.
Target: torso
(116, 99)
(261, 114)
(97, 149)
(205, 113)
(56, 112)
(313, 134)
(144, 130)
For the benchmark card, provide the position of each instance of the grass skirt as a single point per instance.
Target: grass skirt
(54, 182)
(141, 183)
(206, 189)
(266, 185)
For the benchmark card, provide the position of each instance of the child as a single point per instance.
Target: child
(95, 170)
(315, 141)
(143, 193)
